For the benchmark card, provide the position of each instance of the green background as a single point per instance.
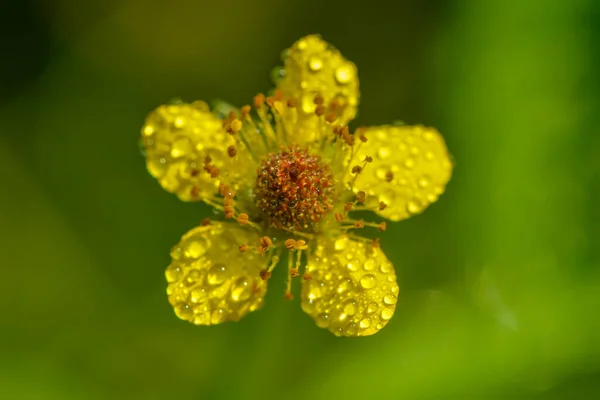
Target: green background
(500, 287)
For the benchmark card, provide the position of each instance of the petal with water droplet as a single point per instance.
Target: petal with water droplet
(368, 299)
(177, 138)
(215, 282)
(314, 67)
(410, 169)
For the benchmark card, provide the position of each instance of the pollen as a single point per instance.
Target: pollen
(294, 188)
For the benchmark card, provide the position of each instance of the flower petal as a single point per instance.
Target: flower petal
(352, 290)
(409, 171)
(210, 281)
(177, 138)
(314, 67)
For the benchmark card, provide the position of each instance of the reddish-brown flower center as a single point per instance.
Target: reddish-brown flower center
(294, 188)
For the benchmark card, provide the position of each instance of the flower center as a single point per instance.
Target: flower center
(294, 188)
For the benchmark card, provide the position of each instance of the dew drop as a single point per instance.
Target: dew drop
(173, 273)
(350, 307)
(386, 313)
(315, 64)
(184, 311)
(351, 329)
(413, 207)
(217, 274)
(341, 243)
(389, 299)
(383, 153)
(423, 182)
(345, 285)
(352, 266)
(368, 281)
(322, 320)
(370, 264)
(429, 156)
(277, 74)
(194, 249)
(365, 323)
(198, 295)
(409, 163)
(241, 290)
(372, 307)
(192, 277)
(385, 268)
(343, 74)
(218, 316)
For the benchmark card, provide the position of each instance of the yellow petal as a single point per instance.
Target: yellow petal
(410, 169)
(177, 138)
(313, 67)
(352, 290)
(210, 280)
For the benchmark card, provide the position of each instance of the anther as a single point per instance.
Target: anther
(242, 218)
(231, 116)
(244, 248)
(376, 243)
(331, 117)
(382, 227)
(265, 275)
(306, 276)
(207, 160)
(319, 100)
(294, 272)
(335, 104)
(231, 151)
(357, 169)
(320, 110)
(348, 206)
(225, 191)
(389, 176)
(290, 244)
(205, 222)
(236, 125)
(270, 101)
(301, 245)
(214, 172)
(382, 206)
(245, 110)
(362, 138)
(368, 159)
(266, 241)
(194, 192)
(278, 95)
(360, 196)
(339, 217)
(194, 172)
(259, 100)
(288, 295)
(291, 103)
(359, 224)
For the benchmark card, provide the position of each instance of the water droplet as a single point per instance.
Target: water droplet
(285, 54)
(217, 274)
(301, 44)
(370, 264)
(343, 74)
(386, 313)
(350, 307)
(368, 281)
(322, 320)
(365, 323)
(218, 316)
(423, 182)
(429, 156)
(194, 249)
(341, 243)
(413, 207)
(241, 290)
(345, 285)
(372, 307)
(173, 273)
(352, 266)
(389, 299)
(351, 329)
(395, 289)
(192, 277)
(277, 74)
(198, 295)
(385, 268)
(148, 130)
(427, 136)
(315, 64)
(409, 163)
(184, 311)
(414, 151)
(383, 153)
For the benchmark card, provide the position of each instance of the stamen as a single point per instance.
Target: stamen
(244, 248)
(205, 222)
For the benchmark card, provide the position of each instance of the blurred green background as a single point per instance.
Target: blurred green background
(500, 286)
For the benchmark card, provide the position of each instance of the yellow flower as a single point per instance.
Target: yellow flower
(286, 177)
